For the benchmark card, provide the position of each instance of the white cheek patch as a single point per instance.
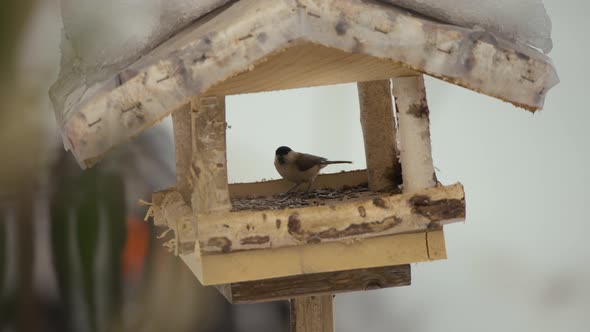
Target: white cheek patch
(290, 157)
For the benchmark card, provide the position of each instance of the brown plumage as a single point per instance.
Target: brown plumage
(300, 167)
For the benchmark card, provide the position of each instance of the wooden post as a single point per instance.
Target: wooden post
(312, 314)
(184, 228)
(383, 170)
(201, 166)
(181, 122)
(379, 134)
(209, 163)
(414, 133)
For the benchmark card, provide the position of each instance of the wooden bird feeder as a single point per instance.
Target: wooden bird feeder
(358, 231)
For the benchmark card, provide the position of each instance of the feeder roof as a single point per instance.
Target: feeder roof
(117, 86)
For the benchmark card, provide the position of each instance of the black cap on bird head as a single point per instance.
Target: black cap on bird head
(283, 150)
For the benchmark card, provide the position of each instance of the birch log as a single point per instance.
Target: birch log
(414, 133)
(227, 232)
(312, 314)
(176, 208)
(180, 219)
(379, 134)
(349, 221)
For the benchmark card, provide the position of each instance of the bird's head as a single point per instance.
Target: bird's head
(283, 151)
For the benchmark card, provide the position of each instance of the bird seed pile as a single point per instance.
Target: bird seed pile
(316, 197)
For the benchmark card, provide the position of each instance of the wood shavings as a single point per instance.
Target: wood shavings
(171, 246)
(164, 233)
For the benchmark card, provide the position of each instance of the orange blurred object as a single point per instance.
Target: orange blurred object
(136, 247)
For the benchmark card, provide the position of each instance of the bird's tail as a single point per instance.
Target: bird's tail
(329, 162)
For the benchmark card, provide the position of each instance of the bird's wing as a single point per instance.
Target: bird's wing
(307, 161)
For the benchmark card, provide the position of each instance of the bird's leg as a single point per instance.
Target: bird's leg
(309, 186)
(294, 187)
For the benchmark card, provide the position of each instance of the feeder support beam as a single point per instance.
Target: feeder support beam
(414, 133)
(184, 225)
(209, 162)
(312, 314)
(379, 134)
(181, 123)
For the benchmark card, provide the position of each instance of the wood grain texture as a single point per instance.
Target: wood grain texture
(209, 162)
(157, 211)
(312, 314)
(181, 123)
(223, 233)
(185, 225)
(309, 64)
(169, 209)
(317, 284)
(379, 135)
(414, 133)
(348, 221)
(316, 258)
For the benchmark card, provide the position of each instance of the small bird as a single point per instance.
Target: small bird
(300, 167)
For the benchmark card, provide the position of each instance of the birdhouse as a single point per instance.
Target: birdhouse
(355, 230)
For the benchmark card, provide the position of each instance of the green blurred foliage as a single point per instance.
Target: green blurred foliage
(85, 207)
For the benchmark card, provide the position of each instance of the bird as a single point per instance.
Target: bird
(300, 167)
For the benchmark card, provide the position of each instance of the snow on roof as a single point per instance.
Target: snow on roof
(524, 21)
(156, 54)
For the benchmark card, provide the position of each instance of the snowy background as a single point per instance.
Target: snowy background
(521, 260)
